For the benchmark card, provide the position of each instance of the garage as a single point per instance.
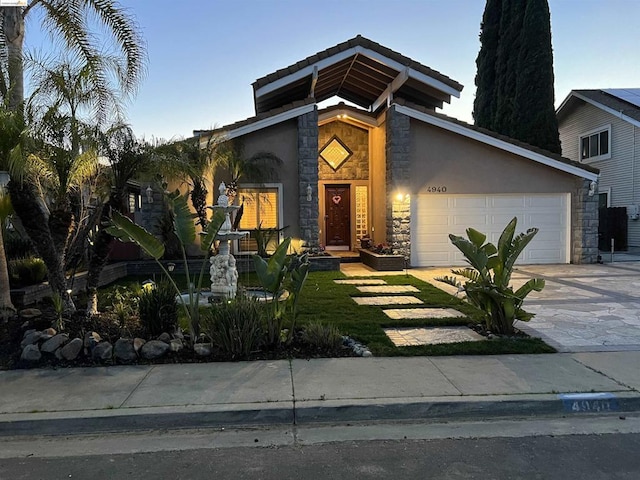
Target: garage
(435, 216)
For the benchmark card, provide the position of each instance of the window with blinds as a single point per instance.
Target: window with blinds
(260, 211)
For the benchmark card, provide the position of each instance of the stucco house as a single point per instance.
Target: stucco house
(390, 166)
(601, 128)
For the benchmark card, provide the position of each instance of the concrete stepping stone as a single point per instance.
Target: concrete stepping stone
(361, 281)
(387, 300)
(407, 337)
(388, 289)
(425, 312)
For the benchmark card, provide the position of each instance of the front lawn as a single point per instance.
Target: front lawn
(326, 301)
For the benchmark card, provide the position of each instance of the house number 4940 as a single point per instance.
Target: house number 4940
(440, 189)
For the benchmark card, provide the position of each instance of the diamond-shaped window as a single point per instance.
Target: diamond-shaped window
(335, 153)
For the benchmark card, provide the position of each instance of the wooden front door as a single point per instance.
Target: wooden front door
(337, 216)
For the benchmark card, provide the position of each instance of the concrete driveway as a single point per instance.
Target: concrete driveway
(583, 308)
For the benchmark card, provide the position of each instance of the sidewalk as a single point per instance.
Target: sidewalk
(127, 398)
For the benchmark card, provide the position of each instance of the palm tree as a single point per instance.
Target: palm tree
(11, 140)
(66, 20)
(128, 158)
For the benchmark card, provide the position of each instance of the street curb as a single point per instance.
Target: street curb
(311, 412)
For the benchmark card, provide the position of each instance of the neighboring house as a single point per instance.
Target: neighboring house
(601, 128)
(397, 170)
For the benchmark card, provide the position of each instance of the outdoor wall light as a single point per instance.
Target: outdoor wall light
(592, 188)
(309, 192)
(171, 266)
(149, 192)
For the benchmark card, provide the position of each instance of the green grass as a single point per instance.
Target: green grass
(326, 301)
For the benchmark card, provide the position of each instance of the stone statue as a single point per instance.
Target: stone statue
(223, 199)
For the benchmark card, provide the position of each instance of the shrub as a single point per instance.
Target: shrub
(487, 280)
(321, 336)
(27, 271)
(235, 327)
(158, 309)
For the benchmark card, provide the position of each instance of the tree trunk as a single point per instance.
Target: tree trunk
(99, 255)
(6, 307)
(26, 206)
(13, 27)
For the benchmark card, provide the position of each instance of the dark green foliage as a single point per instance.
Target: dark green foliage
(321, 336)
(235, 327)
(17, 246)
(159, 309)
(27, 271)
(515, 92)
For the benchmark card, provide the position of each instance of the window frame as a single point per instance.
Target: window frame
(280, 206)
(589, 134)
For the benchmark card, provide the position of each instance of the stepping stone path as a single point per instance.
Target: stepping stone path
(387, 300)
(410, 313)
(404, 337)
(363, 281)
(389, 289)
(407, 337)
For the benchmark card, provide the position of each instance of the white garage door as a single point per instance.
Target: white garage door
(434, 217)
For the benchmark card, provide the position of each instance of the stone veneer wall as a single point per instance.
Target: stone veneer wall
(357, 140)
(584, 225)
(398, 147)
(308, 175)
(150, 213)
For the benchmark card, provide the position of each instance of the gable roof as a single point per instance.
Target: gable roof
(496, 140)
(605, 101)
(263, 120)
(360, 71)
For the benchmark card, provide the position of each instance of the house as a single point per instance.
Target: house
(601, 128)
(389, 165)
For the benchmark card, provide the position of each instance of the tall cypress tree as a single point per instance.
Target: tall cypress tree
(515, 73)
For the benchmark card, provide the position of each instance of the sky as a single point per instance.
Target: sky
(205, 54)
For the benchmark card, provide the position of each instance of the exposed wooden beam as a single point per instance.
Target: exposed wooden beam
(314, 80)
(393, 87)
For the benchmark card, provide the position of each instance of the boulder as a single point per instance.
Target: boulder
(31, 339)
(29, 313)
(124, 350)
(71, 350)
(28, 332)
(164, 337)
(54, 343)
(31, 353)
(102, 352)
(138, 343)
(176, 345)
(154, 349)
(91, 339)
(202, 349)
(50, 331)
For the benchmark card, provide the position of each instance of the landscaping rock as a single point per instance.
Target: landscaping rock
(165, 337)
(102, 352)
(50, 331)
(31, 353)
(71, 350)
(202, 349)
(124, 350)
(28, 332)
(178, 334)
(176, 345)
(58, 354)
(138, 343)
(30, 313)
(31, 339)
(54, 343)
(154, 349)
(91, 339)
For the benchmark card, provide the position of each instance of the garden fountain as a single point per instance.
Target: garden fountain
(224, 274)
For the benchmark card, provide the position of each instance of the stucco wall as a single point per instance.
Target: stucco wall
(444, 159)
(280, 140)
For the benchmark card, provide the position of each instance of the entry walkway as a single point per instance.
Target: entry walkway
(583, 308)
